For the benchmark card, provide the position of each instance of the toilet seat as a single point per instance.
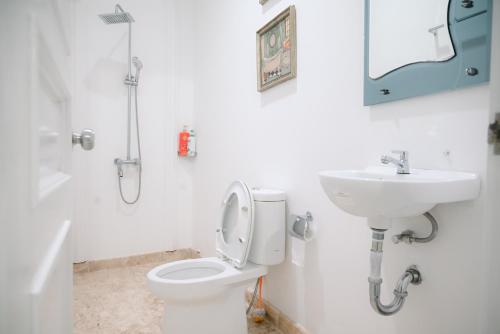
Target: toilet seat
(235, 229)
(193, 279)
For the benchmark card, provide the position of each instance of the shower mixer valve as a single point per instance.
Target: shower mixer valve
(120, 162)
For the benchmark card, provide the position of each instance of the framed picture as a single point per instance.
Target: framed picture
(277, 50)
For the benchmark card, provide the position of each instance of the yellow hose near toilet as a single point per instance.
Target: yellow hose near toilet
(259, 312)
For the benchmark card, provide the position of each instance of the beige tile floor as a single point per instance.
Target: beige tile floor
(117, 301)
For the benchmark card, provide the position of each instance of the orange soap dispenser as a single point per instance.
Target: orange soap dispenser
(183, 142)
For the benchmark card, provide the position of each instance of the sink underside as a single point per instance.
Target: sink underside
(380, 193)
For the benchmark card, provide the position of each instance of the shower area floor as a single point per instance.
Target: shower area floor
(117, 301)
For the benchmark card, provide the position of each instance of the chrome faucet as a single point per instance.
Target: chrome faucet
(403, 164)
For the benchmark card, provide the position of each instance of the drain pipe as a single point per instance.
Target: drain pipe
(410, 276)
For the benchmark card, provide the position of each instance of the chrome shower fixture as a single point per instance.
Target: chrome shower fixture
(138, 67)
(119, 16)
(133, 80)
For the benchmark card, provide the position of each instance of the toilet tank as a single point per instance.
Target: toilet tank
(268, 240)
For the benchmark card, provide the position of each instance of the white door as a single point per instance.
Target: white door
(36, 186)
(491, 276)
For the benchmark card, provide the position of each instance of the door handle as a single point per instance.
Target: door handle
(86, 139)
(494, 134)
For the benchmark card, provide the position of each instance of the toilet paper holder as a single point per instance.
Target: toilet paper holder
(301, 226)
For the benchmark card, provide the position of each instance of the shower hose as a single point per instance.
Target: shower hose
(139, 155)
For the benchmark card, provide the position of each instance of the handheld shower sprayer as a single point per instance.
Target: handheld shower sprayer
(138, 67)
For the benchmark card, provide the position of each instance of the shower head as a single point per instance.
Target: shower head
(119, 16)
(138, 67)
(137, 63)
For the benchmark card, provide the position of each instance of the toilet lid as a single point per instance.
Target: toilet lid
(235, 229)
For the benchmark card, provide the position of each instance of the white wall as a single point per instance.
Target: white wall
(283, 137)
(106, 227)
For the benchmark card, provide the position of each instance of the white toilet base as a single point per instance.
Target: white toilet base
(223, 314)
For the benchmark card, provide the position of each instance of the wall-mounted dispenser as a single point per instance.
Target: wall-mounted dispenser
(301, 227)
(186, 142)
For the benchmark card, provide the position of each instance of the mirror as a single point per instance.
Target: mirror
(420, 47)
(392, 22)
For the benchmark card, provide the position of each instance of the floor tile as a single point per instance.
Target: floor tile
(117, 301)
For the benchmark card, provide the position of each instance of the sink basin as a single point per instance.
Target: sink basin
(380, 193)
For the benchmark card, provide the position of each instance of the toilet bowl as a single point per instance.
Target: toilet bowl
(199, 279)
(206, 295)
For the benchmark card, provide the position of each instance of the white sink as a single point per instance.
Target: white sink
(380, 193)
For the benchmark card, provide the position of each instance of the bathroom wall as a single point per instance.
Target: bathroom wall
(282, 137)
(162, 39)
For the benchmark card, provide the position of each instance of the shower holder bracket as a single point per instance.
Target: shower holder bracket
(130, 81)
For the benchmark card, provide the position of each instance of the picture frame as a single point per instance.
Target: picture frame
(277, 50)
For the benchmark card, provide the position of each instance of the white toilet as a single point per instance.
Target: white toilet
(207, 295)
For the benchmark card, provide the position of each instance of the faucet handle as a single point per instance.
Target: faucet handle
(403, 155)
(403, 163)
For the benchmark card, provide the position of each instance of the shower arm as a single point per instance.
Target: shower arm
(410, 276)
(119, 8)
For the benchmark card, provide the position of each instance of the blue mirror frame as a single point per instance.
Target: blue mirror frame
(470, 28)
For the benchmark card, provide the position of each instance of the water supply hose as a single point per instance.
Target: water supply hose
(139, 163)
(254, 295)
(409, 236)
